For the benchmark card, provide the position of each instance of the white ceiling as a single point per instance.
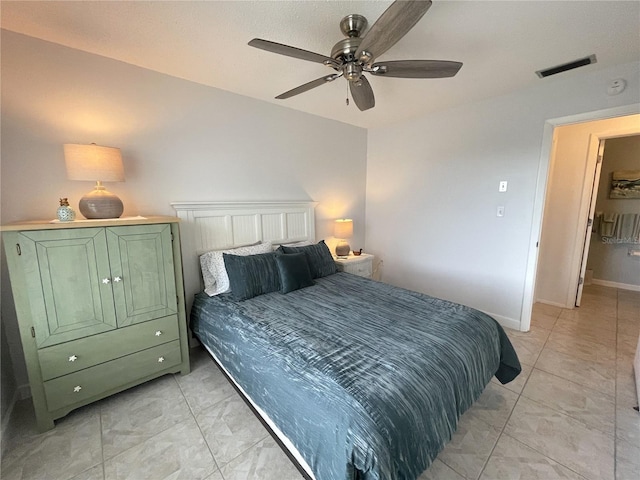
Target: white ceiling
(501, 45)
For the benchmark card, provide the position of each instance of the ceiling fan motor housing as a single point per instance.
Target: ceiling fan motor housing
(345, 49)
(352, 26)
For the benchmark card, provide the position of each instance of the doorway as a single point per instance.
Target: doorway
(614, 252)
(572, 182)
(561, 208)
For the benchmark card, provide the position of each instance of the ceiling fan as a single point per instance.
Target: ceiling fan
(355, 55)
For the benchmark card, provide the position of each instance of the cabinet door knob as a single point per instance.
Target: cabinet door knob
(77, 388)
(158, 333)
(117, 279)
(160, 359)
(73, 358)
(106, 280)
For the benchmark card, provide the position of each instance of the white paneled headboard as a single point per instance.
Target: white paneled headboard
(218, 225)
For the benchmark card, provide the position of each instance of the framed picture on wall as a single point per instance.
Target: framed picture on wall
(625, 184)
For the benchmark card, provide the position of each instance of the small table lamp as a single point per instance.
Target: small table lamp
(99, 164)
(343, 229)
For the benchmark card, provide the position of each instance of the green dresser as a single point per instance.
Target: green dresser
(100, 306)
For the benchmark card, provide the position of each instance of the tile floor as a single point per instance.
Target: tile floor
(568, 416)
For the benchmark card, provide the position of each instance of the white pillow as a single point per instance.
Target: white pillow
(303, 243)
(216, 280)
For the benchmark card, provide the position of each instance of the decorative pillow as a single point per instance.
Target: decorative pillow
(252, 275)
(294, 272)
(216, 280)
(321, 262)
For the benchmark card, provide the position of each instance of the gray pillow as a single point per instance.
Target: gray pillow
(252, 275)
(294, 272)
(321, 262)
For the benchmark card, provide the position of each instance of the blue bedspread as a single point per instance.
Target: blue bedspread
(367, 380)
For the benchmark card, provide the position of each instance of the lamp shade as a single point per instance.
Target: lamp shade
(93, 163)
(97, 164)
(343, 228)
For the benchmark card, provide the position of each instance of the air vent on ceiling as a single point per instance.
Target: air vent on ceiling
(581, 62)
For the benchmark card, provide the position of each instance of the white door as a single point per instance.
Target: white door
(592, 208)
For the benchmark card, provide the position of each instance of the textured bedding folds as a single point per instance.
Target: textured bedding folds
(367, 380)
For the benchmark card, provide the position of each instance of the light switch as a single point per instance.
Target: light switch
(503, 186)
(500, 211)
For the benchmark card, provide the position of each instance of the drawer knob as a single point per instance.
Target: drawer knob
(158, 333)
(117, 279)
(160, 359)
(77, 388)
(106, 281)
(73, 358)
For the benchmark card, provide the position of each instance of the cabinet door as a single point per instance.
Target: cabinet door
(67, 273)
(141, 260)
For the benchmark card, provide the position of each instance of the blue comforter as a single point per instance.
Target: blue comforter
(367, 380)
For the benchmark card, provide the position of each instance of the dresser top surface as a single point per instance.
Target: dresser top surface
(107, 222)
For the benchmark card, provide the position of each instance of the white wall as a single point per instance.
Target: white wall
(179, 140)
(571, 174)
(611, 262)
(432, 189)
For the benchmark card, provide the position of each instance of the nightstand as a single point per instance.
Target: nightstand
(361, 265)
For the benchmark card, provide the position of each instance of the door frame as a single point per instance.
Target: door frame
(546, 153)
(596, 144)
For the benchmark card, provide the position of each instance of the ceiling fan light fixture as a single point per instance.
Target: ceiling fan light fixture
(352, 71)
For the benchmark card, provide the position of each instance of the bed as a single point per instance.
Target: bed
(360, 380)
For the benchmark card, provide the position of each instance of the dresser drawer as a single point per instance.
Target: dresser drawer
(362, 269)
(361, 265)
(85, 384)
(86, 352)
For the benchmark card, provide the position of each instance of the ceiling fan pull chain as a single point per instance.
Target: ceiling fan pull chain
(347, 99)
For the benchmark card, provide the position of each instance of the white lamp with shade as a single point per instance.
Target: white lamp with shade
(343, 230)
(97, 164)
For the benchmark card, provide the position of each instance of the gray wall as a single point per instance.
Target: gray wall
(432, 189)
(180, 141)
(610, 262)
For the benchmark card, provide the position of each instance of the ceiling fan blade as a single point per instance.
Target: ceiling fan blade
(291, 51)
(362, 94)
(416, 68)
(393, 24)
(308, 86)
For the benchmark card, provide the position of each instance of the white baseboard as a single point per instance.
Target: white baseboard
(507, 322)
(622, 286)
(554, 304)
